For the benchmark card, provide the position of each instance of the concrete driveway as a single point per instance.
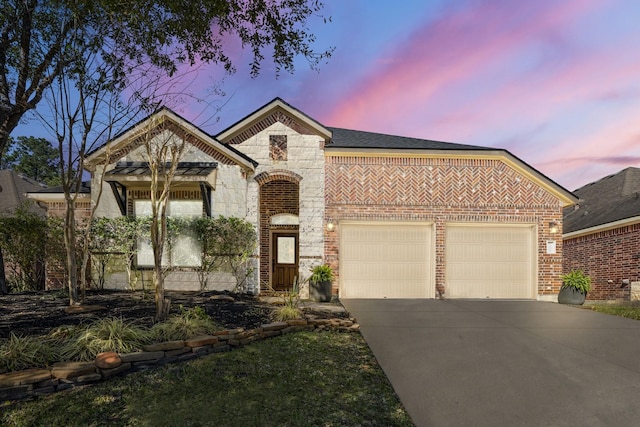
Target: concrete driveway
(505, 363)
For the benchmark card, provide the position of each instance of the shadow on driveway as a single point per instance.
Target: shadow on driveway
(505, 363)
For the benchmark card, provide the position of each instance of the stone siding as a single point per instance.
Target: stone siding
(305, 158)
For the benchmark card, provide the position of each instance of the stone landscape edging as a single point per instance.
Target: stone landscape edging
(61, 376)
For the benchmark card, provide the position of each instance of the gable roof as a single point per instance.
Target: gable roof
(13, 187)
(608, 201)
(273, 111)
(126, 141)
(354, 142)
(347, 138)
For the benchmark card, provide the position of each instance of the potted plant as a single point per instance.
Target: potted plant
(575, 286)
(320, 283)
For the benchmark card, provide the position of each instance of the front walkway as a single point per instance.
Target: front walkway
(505, 363)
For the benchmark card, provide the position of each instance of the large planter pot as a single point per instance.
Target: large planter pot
(571, 296)
(320, 291)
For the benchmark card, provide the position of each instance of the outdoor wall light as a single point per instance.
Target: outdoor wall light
(330, 225)
(553, 227)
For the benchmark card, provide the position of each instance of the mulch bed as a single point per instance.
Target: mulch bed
(40, 312)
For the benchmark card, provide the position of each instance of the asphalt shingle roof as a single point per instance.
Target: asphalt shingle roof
(612, 198)
(13, 186)
(347, 138)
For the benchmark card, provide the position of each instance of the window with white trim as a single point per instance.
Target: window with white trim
(184, 251)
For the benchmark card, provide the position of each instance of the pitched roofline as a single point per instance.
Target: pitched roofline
(122, 138)
(566, 196)
(602, 227)
(264, 111)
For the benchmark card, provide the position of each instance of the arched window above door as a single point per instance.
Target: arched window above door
(285, 219)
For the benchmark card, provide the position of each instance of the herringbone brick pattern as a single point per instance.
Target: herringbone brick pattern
(426, 181)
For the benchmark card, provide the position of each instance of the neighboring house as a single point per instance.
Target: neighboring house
(395, 217)
(602, 234)
(13, 189)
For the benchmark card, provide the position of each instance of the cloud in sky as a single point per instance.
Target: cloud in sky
(553, 81)
(545, 80)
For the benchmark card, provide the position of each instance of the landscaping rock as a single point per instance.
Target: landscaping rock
(201, 340)
(108, 373)
(30, 376)
(43, 391)
(108, 360)
(177, 352)
(275, 326)
(297, 322)
(64, 386)
(201, 350)
(14, 393)
(91, 378)
(69, 370)
(142, 356)
(164, 346)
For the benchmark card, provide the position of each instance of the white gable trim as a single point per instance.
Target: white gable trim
(122, 140)
(260, 114)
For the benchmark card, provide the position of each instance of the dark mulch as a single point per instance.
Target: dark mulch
(38, 313)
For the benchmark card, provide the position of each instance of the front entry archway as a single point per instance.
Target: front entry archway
(279, 210)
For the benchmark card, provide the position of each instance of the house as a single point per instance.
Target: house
(13, 187)
(602, 235)
(395, 217)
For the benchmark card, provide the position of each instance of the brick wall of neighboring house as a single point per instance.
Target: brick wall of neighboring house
(276, 197)
(440, 190)
(56, 276)
(609, 257)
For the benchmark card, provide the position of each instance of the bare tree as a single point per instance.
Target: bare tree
(164, 150)
(86, 112)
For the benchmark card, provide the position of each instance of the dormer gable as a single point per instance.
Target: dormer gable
(166, 120)
(274, 111)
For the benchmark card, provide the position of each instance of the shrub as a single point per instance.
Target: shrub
(577, 280)
(23, 352)
(188, 324)
(284, 313)
(108, 334)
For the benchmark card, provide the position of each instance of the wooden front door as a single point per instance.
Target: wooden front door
(284, 260)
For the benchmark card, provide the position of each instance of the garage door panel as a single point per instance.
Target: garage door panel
(385, 260)
(489, 261)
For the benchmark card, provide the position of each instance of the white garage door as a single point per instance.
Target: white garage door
(386, 260)
(490, 261)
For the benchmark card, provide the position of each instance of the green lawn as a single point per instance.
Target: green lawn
(622, 310)
(300, 379)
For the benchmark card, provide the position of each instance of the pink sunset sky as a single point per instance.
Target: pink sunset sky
(555, 82)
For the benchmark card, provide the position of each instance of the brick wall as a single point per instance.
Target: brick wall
(609, 257)
(440, 190)
(56, 276)
(276, 197)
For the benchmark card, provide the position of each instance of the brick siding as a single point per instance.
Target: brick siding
(609, 257)
(440, 190)
(276, 197)
(56, 275)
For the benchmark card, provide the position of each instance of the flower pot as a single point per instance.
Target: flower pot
(571, 296)
(320, 291)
